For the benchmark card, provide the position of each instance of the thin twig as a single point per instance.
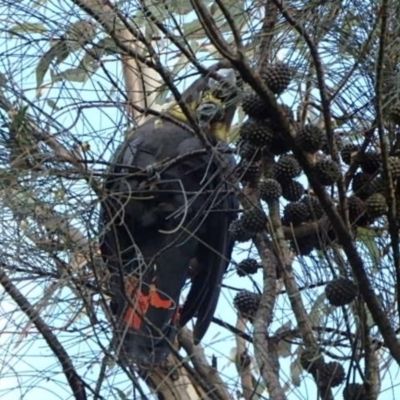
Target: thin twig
(232, 328)
(267, 33)
(75, 381)
(209, 374)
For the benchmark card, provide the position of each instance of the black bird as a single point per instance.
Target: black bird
(164, 219)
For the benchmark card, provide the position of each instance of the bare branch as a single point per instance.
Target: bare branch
(75, 381)
(267, 33)
(209, 374)
(244, 362)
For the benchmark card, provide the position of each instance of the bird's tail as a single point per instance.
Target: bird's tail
(148, 308)
(148, 322)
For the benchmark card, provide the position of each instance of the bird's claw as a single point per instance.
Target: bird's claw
(152, 173)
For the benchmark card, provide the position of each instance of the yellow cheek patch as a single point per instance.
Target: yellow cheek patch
(220, 130)
(210, 98)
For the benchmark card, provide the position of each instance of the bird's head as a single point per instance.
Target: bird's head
(212, 102)
(218, 105)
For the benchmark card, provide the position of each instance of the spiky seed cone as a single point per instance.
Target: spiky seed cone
(249, 266)
(357, 211)
(304, 246)
(254, 106)
(286, 169)
(247, 303)
(327, 172)
(394, 166)
(238, 233)
(314, 208)
(254, 220)
(370, 162)
(279, 145)
(249, 151)
(348, 151)
(269, 189)
(376, 205)
(341, 291)
(337, 140)
(292, 191)
(331, 374)
(277, 77)
(295, 213)
(354, 391)
(310, 138)
(257, 132)
(378, 185)
(394, 114)
(360, 185)
(248, 171)
(310, 359)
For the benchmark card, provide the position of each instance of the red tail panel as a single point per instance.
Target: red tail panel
(133, 316)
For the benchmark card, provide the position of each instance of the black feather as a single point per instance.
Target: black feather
(189, 201)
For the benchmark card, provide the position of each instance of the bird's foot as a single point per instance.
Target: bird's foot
(152, 173)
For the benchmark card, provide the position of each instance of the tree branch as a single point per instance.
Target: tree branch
(75, 381)
(267, 33)
(244, 362)
(203, 368)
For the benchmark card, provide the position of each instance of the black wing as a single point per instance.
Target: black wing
(213, 257)
(148, 242)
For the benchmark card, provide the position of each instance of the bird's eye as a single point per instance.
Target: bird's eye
(208, 111)
(213, 83)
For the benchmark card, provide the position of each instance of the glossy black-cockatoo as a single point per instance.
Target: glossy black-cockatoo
(164, 219)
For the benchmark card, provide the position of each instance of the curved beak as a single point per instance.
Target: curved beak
(218, 105)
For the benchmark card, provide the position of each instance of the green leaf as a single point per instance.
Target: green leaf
(96, 52)
(183, 7)
(58, 53)
(259, 388)
(368, 238)
(284, 348)
(27, 27)
(3, 79)
(86, 68)
(37, 3)
(236, 9)
(74, 75)
(295, 373)
(232, 354)
(319, 310)
(214, 8)
(7, 178)
(193, 27)
(284, 328)
(108, 46)
(370, 319)
(121, 394)
(80, 33)
(52, 104)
